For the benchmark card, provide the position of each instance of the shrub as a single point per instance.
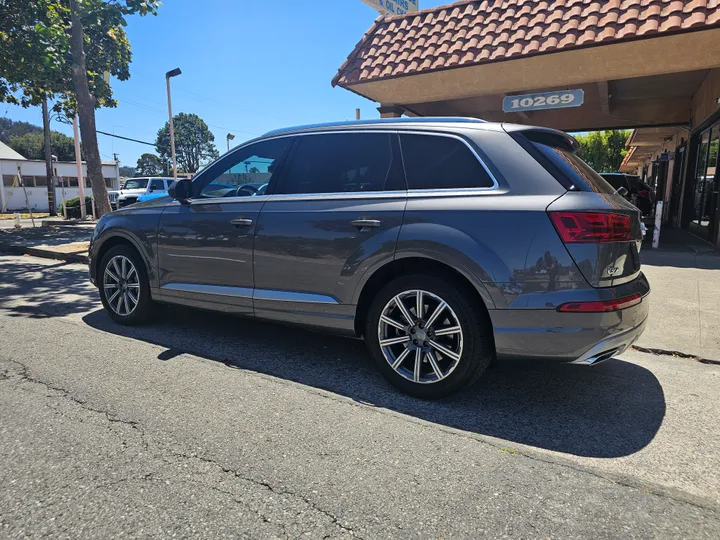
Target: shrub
(72, 206)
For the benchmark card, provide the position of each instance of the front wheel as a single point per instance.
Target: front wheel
(124, 286)
(428, 337)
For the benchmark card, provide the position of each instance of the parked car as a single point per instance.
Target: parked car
(443, 242)
(134, 188)
(637, 192)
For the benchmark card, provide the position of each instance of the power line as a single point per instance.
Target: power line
(124, 138)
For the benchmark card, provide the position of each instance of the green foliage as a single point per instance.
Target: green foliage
(193, 142)
(35, 59)
(9, 128)
(32, 145)
(603, 150)
(149, 165)
(127, 171)
(72, 207)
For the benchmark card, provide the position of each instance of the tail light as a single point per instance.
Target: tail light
(615, 304)
(592, 226)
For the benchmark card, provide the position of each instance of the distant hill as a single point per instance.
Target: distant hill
(8, 129)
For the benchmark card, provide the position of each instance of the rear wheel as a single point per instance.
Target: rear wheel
(124, 286)
(428, 337)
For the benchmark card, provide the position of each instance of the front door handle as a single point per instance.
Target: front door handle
(241, 222)
(365, 223)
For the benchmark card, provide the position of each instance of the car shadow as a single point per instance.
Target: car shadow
(611, 410)
(40, 289)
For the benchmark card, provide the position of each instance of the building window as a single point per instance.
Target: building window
(109, 182)
(40, 181)
(28, 181)
(8, 180)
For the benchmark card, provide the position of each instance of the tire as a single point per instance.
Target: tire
(441, 374)
(142, 310)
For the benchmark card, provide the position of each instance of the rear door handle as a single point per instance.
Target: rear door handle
(241, 222)
(365, 223)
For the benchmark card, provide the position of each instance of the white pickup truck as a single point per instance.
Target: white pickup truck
(135, 187)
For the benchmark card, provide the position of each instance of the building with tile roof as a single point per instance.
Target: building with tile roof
(648, 65)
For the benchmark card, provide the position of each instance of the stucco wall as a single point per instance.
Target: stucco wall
(705, 101)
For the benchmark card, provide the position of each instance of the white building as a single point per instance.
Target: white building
(33, 173)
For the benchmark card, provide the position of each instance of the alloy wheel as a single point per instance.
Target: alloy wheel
(122, 285)
(420, 336)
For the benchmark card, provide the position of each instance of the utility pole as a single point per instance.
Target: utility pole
(229, 138)
(48, 159)
(78, 162)
(357, 114)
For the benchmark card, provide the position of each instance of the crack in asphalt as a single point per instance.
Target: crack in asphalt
(333, 518)
(677, 354)
(24, 375)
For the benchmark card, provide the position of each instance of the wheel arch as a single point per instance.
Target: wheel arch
(117, 238)
(415, 265)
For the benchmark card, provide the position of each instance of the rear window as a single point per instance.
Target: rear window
(570, 166)
(437, 162)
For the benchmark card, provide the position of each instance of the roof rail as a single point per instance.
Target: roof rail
(375, 121)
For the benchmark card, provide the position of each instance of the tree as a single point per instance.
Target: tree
(61, 49)
(193, 142)
(32, 145)
(127, 172)
(149, 165)
(603, 150)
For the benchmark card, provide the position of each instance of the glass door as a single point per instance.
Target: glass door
(706, 189)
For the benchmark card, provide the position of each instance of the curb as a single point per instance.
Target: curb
(44, 253)
(70, 223)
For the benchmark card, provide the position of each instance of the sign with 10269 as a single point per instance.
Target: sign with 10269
(393, 7)
(545, 100)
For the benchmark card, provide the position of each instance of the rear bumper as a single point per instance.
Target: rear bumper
(581, 338)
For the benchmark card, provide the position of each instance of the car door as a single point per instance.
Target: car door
(157, 185)
(334, 215)
(205, 245)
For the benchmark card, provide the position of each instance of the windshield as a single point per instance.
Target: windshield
(136, 183)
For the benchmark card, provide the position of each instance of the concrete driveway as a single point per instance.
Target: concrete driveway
(202, 424)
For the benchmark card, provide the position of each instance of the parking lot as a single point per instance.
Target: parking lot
(203, 424)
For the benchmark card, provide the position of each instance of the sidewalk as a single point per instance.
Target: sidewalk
(684, 302)
(55, 242)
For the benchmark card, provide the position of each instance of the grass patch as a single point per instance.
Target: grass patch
(39, 215)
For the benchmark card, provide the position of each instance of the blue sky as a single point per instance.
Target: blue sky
(248, 67)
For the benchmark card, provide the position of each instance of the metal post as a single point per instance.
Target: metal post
(357, 114)
(78, 162)
(172, 73)
(658, 221)
(172, 131)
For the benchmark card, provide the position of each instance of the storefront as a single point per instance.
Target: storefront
(648, 65)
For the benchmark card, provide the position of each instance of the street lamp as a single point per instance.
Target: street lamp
(172, 73)
(229, 138)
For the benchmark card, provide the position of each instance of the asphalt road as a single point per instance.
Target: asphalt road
(204, 425)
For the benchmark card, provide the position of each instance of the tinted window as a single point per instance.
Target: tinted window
(341, 162)
(157, 184)
(243, 172)
(572, 167)
(436, 162)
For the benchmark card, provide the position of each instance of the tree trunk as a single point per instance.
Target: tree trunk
(48, 160)
(86, 111)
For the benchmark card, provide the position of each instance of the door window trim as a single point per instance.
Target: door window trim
(269, 194)
(452, 191)
(290, 160)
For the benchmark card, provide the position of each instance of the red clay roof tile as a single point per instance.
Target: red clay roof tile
(472, 32)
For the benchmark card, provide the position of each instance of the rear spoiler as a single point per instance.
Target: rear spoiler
(547, 136)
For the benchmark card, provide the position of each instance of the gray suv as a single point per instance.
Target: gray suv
(444, 242)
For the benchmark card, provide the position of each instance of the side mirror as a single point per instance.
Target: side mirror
(181, 190)
(151, 189)
(622, 191)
